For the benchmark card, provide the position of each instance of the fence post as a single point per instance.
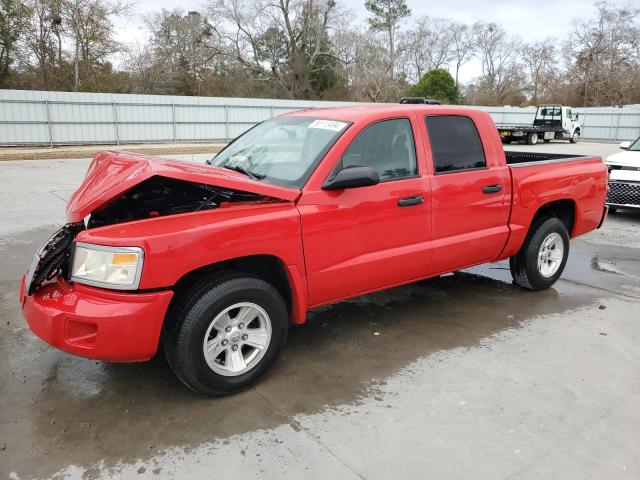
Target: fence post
(271, 110)
(226, 123)
(115, 122)
(611, 127)
(618, 115)
(46, 106)
(173, 121)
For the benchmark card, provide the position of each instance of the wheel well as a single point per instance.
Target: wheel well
(564, 210)
(577, 130)
(267, 267)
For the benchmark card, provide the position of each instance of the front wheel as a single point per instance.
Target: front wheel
(543, 256)
(225, 332)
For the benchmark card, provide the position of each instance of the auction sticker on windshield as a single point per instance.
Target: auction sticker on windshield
(332, 125)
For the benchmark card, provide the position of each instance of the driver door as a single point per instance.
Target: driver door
(567, 121)
(357, 240)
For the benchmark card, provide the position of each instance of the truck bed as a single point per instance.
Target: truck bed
(517, 159)
(529, 128)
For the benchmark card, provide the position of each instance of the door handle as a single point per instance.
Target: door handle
(409, 201)
(492, 188)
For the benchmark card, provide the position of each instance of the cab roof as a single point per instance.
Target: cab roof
(355, 113)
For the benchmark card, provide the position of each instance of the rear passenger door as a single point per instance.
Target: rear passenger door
(470, 192)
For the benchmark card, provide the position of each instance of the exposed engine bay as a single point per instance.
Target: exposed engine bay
(161, 196)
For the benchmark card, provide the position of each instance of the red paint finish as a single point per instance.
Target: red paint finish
(582, 182)
(469, 226)
(331, 244)
(113, 173)
(96, 323)
(177, 245)
(358, 240)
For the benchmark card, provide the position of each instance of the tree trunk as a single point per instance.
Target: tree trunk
(392, 54)
(76, 55)
(76, 69)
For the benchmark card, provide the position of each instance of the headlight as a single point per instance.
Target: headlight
(110, 267)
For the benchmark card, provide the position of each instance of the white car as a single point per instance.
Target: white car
(624, 177)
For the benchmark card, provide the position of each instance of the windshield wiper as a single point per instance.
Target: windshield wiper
(238, 168)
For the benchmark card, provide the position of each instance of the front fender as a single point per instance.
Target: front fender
(178, 244)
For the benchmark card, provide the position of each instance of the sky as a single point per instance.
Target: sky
(530, 19)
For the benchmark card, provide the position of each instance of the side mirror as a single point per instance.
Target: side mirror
(625, 145)
(352, 177)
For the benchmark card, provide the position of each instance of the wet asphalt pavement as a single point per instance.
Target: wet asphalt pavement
(463, 376)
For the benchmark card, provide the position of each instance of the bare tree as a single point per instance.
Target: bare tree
(91, 32)
(540, 61)
(13, 21)
(386, 17)
(605, 51)
(427, 46)
(147, 74)
(314, 49)
(184, 47)
(463, 46)
(38, 55)
(371, 74)
(499, 55)
(279, 41)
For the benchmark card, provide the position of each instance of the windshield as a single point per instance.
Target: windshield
(635, 146)
(283, 151)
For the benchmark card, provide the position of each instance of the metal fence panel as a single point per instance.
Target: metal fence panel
(62, 118)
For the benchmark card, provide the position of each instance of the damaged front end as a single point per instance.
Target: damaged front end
(53, 257)
(162, 196)
(154, 197)
(121, 187)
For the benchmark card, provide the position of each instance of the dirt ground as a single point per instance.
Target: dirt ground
(463, 376)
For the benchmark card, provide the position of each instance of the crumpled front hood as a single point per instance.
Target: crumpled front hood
(113, 173)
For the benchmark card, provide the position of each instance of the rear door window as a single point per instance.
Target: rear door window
(455, 144)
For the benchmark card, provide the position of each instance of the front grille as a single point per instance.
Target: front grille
(623, 193)
(52, 258)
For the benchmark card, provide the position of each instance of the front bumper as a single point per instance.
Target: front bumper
(96, 323)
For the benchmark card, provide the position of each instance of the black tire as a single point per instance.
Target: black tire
(575, 137)
(532, 138)
(192, 315)
(524, 265)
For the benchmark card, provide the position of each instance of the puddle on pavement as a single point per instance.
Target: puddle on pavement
(77, 411)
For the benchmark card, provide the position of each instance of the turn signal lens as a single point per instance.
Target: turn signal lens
(124, 259)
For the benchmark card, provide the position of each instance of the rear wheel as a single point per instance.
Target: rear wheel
(225, 332)
(532, 138)
(575, 137)
(543, 256)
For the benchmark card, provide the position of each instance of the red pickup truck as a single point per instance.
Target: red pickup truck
(309, 208)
